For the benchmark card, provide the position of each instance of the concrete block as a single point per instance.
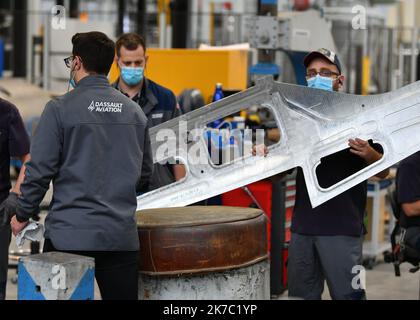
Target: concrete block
(247, 283)
(56, 276)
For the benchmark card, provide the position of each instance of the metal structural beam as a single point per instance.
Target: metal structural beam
(179, 20)
(20, 20)
(313, 124)
(74, 9)
(141, 17)
(121, 14)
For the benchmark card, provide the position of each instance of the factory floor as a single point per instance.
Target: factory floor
(381, 284)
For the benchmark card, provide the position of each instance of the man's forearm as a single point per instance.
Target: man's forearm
(179, 171)
(33, 190)
(376, 156)
(27, 208)
(46, 147)
(411, 209)
(21, 177)
(373, 157)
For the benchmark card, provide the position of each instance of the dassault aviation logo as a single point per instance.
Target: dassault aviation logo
(105, 106)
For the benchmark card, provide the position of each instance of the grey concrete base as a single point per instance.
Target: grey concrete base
(249, 283)
(56, 276)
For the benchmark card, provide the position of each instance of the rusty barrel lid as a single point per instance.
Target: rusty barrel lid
(200, 239)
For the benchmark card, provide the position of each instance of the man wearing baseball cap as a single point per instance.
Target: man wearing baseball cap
(327, 241)
(323, 70)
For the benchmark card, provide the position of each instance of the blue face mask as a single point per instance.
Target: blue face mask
(323, 83)
(132, 76)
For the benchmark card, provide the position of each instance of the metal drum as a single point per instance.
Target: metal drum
(209, 253)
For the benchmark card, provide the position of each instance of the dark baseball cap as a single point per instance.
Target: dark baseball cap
(331, 56)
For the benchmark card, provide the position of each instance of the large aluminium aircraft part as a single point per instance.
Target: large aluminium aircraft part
(313, 124)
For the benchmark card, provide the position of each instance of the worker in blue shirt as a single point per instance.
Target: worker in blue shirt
(157, 102)
(408, 193)
(327, 241)
(14, 142)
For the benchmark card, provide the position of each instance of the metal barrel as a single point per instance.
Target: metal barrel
(203, 253)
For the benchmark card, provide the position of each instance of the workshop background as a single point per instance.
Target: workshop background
(197, 47)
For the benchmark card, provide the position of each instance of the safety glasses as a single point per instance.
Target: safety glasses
(323, 73)
(68, 61)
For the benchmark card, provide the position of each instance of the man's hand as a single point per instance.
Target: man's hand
(260, 150)
(364, 150)
(17, 226)
(8, 209)
(179, 172)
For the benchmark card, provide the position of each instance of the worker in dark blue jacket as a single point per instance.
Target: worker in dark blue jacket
(408, 187)
(158, 103)
(14, 142)
(93, 144)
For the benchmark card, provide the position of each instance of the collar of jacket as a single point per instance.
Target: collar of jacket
(93, 80)
(151, 99)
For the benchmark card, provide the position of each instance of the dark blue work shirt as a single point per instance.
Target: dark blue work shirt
(408, 187)
(344, 214)
(158, 103)
(14, 142)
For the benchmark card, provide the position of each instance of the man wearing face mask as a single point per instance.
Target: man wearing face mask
(327, 241)
(158, 103)
(93, 143)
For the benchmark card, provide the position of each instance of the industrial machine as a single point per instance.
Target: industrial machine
(295, 33)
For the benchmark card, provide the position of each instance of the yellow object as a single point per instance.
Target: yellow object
(114, 73)
(180, 69)
(84, 17)
(244, 114)
(366, 76)
(255, 118)
(164, 7)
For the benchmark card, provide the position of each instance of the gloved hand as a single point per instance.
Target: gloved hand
(8, 209)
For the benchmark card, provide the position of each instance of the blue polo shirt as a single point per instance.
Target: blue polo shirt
(408, 187)
(157, 102)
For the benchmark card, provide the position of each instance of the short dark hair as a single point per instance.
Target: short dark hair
(131, 41)
(96, 50)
